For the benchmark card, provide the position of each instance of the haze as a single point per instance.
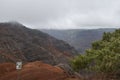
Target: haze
(62, 14)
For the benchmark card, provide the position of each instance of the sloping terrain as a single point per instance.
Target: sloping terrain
(31, 71)
(81, 39)
(18, 42)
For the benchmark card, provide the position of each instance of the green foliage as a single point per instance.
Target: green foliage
(80, 62)
(103, 57)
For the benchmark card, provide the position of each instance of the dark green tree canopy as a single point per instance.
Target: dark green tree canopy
(103, 57)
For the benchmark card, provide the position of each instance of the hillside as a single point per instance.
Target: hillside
(81, 39)
(18, 42)
(31, 71)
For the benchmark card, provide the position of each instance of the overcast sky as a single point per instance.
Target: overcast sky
(62, 14)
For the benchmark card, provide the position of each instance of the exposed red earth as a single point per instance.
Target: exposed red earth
(31, 71)
(30, 46)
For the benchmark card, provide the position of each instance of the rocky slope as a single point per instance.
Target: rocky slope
(20, 43)
(81, 39)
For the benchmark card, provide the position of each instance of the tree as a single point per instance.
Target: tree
(103, 57)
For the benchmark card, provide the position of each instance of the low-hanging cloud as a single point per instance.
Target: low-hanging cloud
(62, 14)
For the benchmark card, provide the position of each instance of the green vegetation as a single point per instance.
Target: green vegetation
(103, 57)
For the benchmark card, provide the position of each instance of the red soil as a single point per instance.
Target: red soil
(31, 71)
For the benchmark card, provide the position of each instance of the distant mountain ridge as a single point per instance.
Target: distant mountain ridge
(81, 39)
(19, 42)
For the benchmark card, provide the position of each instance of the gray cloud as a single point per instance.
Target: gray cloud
(62, 14)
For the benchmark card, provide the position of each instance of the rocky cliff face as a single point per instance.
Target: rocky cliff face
(18, 42)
